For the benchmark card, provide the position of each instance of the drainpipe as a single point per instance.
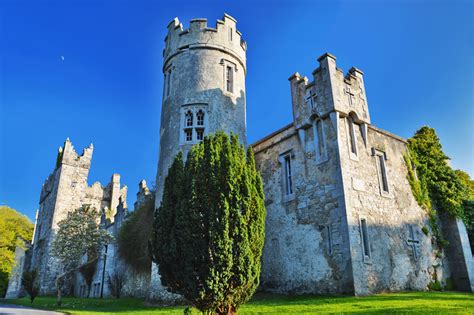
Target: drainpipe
(103, 272)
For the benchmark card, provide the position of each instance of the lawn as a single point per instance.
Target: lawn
(409, 302)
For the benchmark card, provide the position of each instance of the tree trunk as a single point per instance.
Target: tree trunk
(58, 287)
(231, 310)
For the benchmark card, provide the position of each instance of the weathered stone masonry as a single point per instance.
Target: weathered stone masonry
(351, 223)
(341, 217)
(66, 189)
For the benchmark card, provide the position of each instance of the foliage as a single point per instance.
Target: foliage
(449, 284)
(78, 234)
(436, 177)
(116, 281)
(15, 230)
(435, 285)
(29, 281)
(209, 230)
(435, 185)
(425, 230)
(134, 236)
(392, 303)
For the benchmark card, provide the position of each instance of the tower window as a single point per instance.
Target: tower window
(199, 134)
(329, 232)
(189, 119)
(188, 134)
(365, 238)
(352, 136)
(320, 139)
(194, 122)
(288, 175)
(230, 33)
(168, 83)
(200, 118)
(229, 79)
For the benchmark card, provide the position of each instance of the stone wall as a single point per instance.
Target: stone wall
(352, 224)
(306, 246)
(22, 262)
(67, 189)
(136, 284)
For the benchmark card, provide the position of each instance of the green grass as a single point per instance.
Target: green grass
(401, 303)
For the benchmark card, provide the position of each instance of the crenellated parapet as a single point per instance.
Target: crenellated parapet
(67, 155)
(224, 37)
(330, 90)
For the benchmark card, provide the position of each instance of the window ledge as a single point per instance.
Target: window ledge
(322, 160)
(367, 260)
(387, 195)
(289, 198)
(353, 156)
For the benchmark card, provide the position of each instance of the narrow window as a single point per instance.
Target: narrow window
(288, 175)
(189, 119)
(383, 172)
(328, 229)
(199, 134)
(352, 136)
(168, 82)
(188, 134)
(365, 237)
(230, 33)
(200, 118)
(320, 140)
(229, 79)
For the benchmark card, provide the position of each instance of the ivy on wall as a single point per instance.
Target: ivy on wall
(435, 185)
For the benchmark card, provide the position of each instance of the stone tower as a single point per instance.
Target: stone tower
(65, 190)
(204, 87)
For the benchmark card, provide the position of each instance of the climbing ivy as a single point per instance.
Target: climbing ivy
(435, 185)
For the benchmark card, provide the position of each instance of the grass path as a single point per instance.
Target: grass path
(401, 303)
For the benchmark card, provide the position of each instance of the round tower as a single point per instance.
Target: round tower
(204, 87)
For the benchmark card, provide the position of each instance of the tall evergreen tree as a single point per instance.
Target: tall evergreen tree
(209, 230)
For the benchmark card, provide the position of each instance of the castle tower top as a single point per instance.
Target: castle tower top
(68, 155)
(224, 37)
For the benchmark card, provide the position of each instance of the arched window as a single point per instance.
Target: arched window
(200, 118)
(189, 119)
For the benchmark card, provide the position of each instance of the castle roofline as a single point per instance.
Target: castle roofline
(271, 135)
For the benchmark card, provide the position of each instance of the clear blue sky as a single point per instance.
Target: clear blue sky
(417, 57)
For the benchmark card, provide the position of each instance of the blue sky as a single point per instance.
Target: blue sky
(417, 57)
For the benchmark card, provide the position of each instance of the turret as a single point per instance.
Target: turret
(204, 87)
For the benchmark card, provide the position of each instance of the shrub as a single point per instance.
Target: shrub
(134, 236)
(209, 230)
(116, 282)
(29, 282)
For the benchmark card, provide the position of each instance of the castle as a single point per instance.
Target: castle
(341, 217)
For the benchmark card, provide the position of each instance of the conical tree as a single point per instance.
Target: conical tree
(209, 230)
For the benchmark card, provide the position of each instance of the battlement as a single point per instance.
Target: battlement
(329, 90)
(224, 37)
(68, 155)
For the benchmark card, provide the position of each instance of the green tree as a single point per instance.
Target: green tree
(208, 233)
(436, 186)
(134, 236)
(15, 230)
(78, 234)
(444, 188)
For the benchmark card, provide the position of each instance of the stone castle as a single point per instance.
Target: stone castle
(341, 217)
